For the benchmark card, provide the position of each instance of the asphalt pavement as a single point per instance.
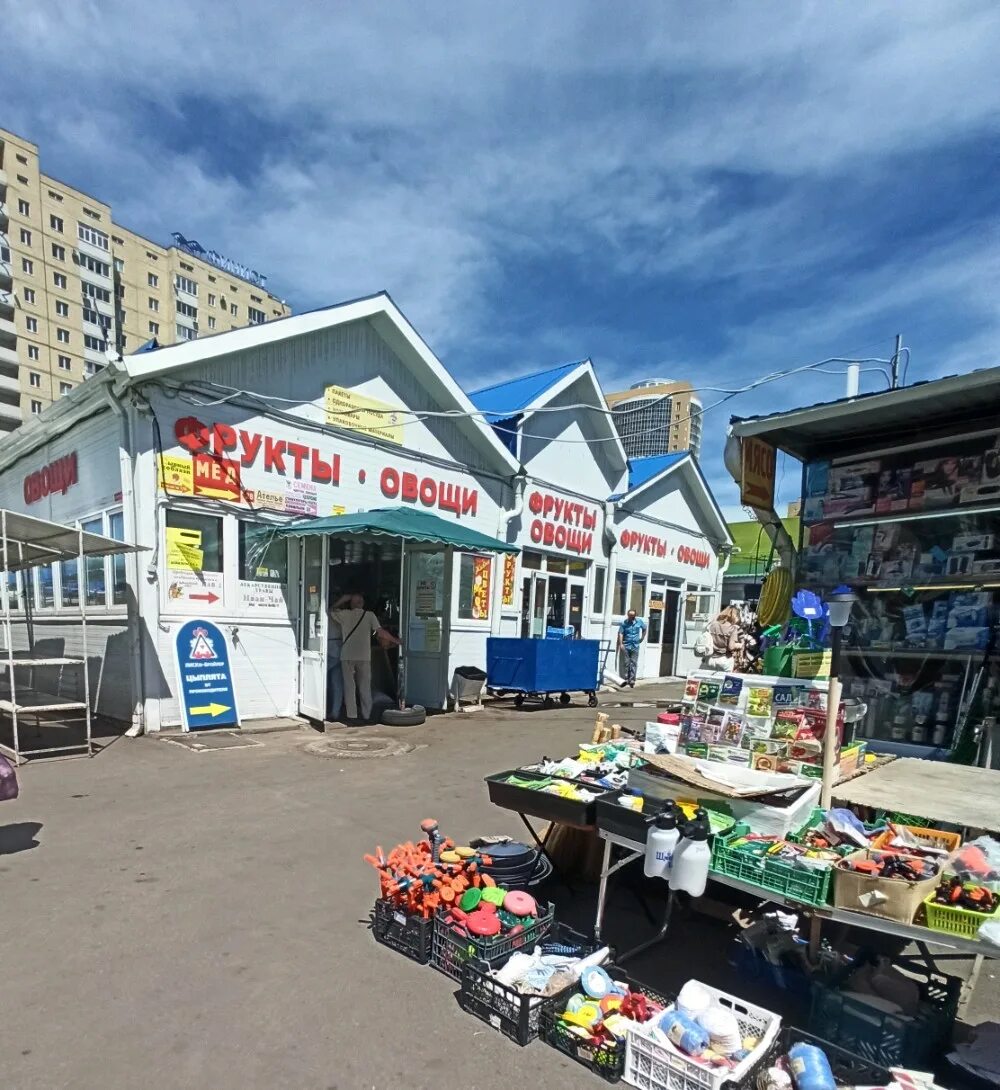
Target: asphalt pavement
(174, 918)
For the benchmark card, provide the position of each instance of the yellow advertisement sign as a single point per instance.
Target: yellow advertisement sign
(176, 475)
(347, 409)
(757, 484)
(812, 664)
(184, 551)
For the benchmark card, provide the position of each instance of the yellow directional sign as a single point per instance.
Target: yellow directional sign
(211, 709)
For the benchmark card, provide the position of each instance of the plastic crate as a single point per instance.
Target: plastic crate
(409, 935)
(633, 825)
(932, 838)
(891, 1040)
(539, 804)
(650, 1065)
(752, 965)
(606, 1060)
(514, 1014)
(848, 1069)
(810, 887)
(452, 949)
(955, 920)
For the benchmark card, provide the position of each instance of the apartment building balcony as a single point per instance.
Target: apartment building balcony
(3, 182)
(10, 415)
(10, 388)
(96, 278)
(8, 360)
(187, 321)
(8, 302)
(8, 331)
(4, 215)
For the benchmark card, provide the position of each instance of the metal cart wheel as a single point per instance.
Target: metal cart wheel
(564, 699)
(518, 700)
(592, 700)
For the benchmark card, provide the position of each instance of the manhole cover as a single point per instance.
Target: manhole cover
(355, 747)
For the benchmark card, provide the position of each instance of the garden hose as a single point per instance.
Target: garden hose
(775, 597)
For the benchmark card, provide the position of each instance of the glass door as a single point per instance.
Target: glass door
(668, 648)
(312, 627)
(426, 633)
(539, 605)
(575, 616)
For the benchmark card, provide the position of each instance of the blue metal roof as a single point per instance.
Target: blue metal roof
(506, 399)
(641, 470)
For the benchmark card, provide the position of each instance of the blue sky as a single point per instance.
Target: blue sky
(711, 192)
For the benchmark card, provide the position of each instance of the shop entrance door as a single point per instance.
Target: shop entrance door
(661, 630)
(312, 626)
(534, 606)
(426, 631)
(671, 618)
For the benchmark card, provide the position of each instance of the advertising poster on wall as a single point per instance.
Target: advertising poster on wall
(347, 409)
(205, 688)
(481, 572)
(509, 569)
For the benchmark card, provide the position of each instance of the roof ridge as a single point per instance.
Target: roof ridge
(527, 375)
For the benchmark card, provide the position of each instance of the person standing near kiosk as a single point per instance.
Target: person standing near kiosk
(357, 626)
(631, 633)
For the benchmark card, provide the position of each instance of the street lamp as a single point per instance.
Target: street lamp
(839, 604)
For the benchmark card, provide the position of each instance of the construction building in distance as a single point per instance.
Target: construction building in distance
(657, 416)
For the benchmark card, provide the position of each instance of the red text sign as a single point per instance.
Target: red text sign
(217, 477)
(430, 493)
(57, 476)
(643, 543)
(561, 523)
(244, 448)
(700, 558)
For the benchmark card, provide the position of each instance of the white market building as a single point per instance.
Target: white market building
(202, 453)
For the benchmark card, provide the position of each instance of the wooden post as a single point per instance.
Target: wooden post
(831, 747)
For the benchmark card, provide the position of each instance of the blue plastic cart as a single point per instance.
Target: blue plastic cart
(539, 669)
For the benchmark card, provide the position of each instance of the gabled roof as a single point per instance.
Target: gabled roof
(508, 399)
(680, 462)
(385, 318)
(641, 470)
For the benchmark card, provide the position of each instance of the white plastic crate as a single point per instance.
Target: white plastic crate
(652, 1065)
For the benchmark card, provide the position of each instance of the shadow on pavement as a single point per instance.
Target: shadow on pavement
(19, 837)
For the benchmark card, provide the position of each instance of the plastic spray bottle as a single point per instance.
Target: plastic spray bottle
(661, 842)
(692, 857)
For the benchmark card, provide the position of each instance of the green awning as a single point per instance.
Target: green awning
(401, 522)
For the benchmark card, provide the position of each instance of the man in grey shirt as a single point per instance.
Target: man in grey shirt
(357, 626)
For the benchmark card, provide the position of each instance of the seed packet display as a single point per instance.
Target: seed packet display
(764, 762)
(691, 689)
(759, 700)
(770, 746)
(715, 725)
(787, 723)
(785, 696)
(731, 689)
(757, 726)
(708, 692)
(733, 728)
(738, 757)
(697, 749)
(814, 698)
(691, 728)
(812, 726)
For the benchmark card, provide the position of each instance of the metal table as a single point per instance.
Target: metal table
(636, 850)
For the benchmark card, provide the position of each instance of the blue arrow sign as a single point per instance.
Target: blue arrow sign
(204, 677)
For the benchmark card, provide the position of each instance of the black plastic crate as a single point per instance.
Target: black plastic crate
(634, 825)
(506, 1009)
(881, 1037)
(606, 1060)
(848, 1069)
(409, 935)
(452, 949)
(539, 804)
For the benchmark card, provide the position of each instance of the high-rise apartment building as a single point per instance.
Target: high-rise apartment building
(76, 287)
(657, 416)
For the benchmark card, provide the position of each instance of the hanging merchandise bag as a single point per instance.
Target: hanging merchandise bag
(8, 780)
(703, 646)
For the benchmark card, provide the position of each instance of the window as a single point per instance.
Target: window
(187, 310)
(90, 212)
(154, 304)
(64, 388)
(31, 325)
(154, 328)
(474, 593)
(620, 593)
(152, 280)
(94, 566)
(152, 256)
(187, 267)
(211, 278)
(35, 379)
(263, 554)
(637, 600)
(531, 561)
(95, 317)
(23, 208)
(117, 241)
(211, 299)
(120, 291)
(44, 590)
(600, 582)
(55, 196)
(58, 252)
(65, 362)
(69, 571)
(32, 351)
(36, 408)
(184, 283)
(95, 344)
(29, 295)
(23, 160)
(203, 533)
(13, 590)
(119, 584)
(92, 236)
(102, 268)
(257, 317)
(62, 309)
(92, 368)
(25, 236)
(62, 335)
(27, 265)
(94, 292)
(119, 264)
(56, 223)
(233, 309)
(184, 333)
(211, 323)
(22, 179)
(255, 298)
(59, 280)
